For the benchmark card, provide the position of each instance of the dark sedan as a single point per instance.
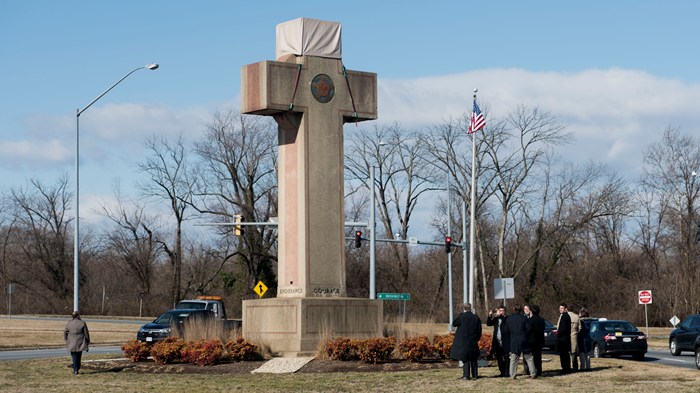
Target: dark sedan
(550, 335)
(161, 327)
(683, 338)
(617, 338)
(697, 352)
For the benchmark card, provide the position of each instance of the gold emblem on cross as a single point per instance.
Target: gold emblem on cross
(322, 88)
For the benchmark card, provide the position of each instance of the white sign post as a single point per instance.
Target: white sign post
(10, 289)
(503, 288)
(645, 298)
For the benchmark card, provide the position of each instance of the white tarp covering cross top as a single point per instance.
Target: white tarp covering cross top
(309, 37)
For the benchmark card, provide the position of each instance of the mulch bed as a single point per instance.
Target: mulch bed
(244, 368)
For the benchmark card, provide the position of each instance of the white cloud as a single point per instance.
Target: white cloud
(614, 113)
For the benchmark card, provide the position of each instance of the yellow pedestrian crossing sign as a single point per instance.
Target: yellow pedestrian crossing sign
(260, 288)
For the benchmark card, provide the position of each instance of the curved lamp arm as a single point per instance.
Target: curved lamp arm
(150, 67)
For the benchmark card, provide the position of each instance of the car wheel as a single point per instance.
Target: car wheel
(639, 357)
(673, 348)
(596, 351)
(697, 357)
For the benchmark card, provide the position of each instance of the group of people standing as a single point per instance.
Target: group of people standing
(522, 335)
(573, 339)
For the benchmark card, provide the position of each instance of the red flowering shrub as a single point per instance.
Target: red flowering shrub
(342, 349)
(414, 349)
(136, 351)
(240, 349)
(167, 351)
(443, 344)
(376, 349)
(485, 344)
(202, 352)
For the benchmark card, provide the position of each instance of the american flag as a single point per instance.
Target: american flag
(477, 122)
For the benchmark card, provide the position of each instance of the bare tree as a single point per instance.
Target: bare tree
(239, 178)
(171, 182)
(132, 240)
(404, 176)
(668, 232)
(42, 240)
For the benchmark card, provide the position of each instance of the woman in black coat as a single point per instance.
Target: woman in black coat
(465, 346)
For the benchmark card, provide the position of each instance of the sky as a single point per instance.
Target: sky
(617, 72)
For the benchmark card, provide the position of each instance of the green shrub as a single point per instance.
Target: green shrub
(203, 352)
(342, 349)
(167, 351)
(376, 349)
(136, 351)
(240, 349)
(443, 344)
(485, 344)
(414, 349)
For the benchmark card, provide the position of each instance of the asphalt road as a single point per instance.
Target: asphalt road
(67, 319)
(663, 356)
(53, 353)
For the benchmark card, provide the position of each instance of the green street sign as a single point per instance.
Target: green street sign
(394, 296)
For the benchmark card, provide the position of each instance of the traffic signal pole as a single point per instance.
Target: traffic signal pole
(372, 238)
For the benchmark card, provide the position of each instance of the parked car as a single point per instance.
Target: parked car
(162, 327)
(683, 338)
(617, 338)
(550, 335)
(697, 353)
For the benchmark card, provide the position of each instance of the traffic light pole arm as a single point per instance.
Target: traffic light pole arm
(230, 224)
(462, 245)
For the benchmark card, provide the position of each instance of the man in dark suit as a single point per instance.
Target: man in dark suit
(501, 342)
(564, 339)
(466, 342)
(518, 328)
(536, 337)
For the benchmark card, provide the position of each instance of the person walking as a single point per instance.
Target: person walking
(501, 343)
(77, 339)
(517, 329)
(563, 346)
(536, 337)
(574, 336)
(584, 340)
(465, 346)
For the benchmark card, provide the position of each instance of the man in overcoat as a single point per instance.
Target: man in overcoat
(574, 335)
(536, 337)
(77, 339)
(465, 346)
(518, 329)
(564, 339)
(501, 342)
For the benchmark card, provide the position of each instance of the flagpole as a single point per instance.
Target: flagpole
(472, 270)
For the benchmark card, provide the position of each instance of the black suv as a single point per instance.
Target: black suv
(161, 327)
(683, 338)
(697, 352)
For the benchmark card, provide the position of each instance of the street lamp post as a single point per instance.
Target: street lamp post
(76, 246)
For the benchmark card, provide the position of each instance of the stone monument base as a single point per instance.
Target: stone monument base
(294, 326)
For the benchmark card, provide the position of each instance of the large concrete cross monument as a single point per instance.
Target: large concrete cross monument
(310, 95)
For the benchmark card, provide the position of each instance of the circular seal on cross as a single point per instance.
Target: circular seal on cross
(322, 88)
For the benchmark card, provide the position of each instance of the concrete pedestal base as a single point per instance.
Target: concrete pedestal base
(294, 326)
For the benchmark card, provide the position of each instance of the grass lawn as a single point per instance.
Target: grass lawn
(22, 333)
(53, 375)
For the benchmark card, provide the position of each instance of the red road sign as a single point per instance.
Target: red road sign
(644, 297)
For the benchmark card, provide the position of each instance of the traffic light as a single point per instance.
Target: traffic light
(697, 232)
(448, 244)
(239, 230)
(358, 239)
